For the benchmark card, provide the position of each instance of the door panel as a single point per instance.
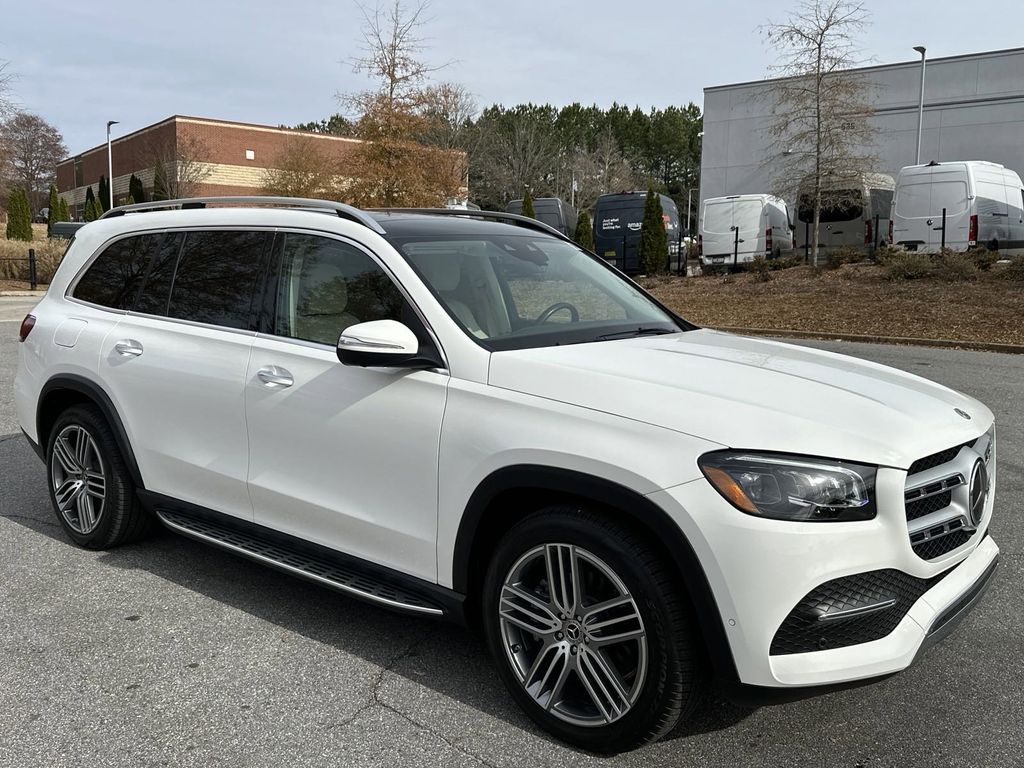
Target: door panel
(179, 387)
(343, 456)
(346, 457)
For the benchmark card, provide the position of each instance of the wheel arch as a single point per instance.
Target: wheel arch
(509, 494)
(65, 390)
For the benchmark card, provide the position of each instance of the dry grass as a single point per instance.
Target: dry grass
(854, 298)
(14, 259)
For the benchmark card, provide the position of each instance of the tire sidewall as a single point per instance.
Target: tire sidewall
(664, 658)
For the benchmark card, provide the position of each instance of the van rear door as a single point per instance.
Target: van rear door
(949, 193)
(717, 228)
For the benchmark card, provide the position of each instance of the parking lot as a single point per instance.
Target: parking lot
(172, 653)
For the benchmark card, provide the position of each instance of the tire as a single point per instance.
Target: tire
(657, 666)
(83, 459)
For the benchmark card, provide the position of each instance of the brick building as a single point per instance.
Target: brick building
(233, 156)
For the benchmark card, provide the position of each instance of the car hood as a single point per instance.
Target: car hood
(752, 394)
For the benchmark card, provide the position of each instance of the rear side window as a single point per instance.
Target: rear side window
(216, 278)
(115, 276)
(157, 288)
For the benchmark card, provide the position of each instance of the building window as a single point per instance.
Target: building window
(250, 154)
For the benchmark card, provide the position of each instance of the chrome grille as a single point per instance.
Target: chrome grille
(936, 497)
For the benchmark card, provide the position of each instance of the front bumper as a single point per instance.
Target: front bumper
(759, 569)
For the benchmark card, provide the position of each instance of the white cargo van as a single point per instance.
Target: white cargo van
(959, 205)
(854, 212)
(734, 230)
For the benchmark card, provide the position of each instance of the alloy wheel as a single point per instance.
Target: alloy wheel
(78, 480)
(573, 634)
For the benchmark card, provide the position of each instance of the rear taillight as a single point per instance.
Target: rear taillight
(700, 245)
(869, 233)
(26, 327)
(972, 235)
(890, 231)
(768, 241)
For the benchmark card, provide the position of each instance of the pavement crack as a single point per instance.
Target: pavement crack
(31, 519)
(376, 701)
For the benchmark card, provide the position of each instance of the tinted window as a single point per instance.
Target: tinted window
(157, 288)
(326, 286)
(114, 278)
(216, 277)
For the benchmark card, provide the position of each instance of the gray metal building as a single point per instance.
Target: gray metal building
(973, 110)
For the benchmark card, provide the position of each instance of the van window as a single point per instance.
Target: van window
(836, 205)
(881, 203)
(951, 195)
(913, 200)
(746, 214)
(217, 276)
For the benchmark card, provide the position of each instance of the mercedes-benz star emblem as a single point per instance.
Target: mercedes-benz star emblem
(979, 489)
(572, 630)
(965, 414)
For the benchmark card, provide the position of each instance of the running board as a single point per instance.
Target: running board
(294, 560)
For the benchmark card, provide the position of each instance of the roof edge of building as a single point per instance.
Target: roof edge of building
(876, 67)
(207, 121)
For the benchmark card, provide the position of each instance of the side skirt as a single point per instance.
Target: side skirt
(336, 570)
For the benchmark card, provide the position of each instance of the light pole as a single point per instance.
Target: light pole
(689, 194)
(920, 105)
(110, 164)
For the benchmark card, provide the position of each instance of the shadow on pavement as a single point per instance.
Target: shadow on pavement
(443, 657)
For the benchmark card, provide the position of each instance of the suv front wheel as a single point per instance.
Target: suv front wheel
(90, 486)
(589, 630)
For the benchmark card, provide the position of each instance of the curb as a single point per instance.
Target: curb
(22, 293)
(981, 346)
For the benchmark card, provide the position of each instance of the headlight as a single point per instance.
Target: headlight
(787, 487)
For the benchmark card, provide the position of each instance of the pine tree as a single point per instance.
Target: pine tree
(65, 214)
(159, 182)
(103, 192)
(528, 205)
(584, 235)
(653, 240)
(136, 190)
(89, 197)
(90, 209)
(53, 209)
(19, 216)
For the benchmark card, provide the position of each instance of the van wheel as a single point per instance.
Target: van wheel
(589, 631)
(90, 487)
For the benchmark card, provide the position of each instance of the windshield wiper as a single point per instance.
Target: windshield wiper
(641, 331)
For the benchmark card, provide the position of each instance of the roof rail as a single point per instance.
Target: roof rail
(341, 209)
(512, 218)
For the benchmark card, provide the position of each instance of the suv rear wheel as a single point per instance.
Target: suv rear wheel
(589, 631)
(90, 486)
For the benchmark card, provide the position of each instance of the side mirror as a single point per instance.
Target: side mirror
(385, 344)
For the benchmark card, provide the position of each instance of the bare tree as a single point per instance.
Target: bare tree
(32, 148)
(515, 153)
(602, 171)
(393, 167)
(302, 169)
(179, 167)
(821, 133)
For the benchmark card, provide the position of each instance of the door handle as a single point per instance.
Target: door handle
(274, 377)
(128, 348)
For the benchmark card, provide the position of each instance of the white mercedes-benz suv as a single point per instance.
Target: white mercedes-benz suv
(464, 415)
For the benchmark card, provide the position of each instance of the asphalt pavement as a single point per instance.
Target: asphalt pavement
(172, 653)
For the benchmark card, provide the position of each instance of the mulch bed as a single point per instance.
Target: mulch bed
(853, 299)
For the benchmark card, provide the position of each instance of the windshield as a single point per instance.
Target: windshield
(519, 291)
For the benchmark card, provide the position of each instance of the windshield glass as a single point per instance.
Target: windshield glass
(519, 291)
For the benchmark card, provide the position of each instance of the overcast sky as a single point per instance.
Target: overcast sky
(79, 64)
